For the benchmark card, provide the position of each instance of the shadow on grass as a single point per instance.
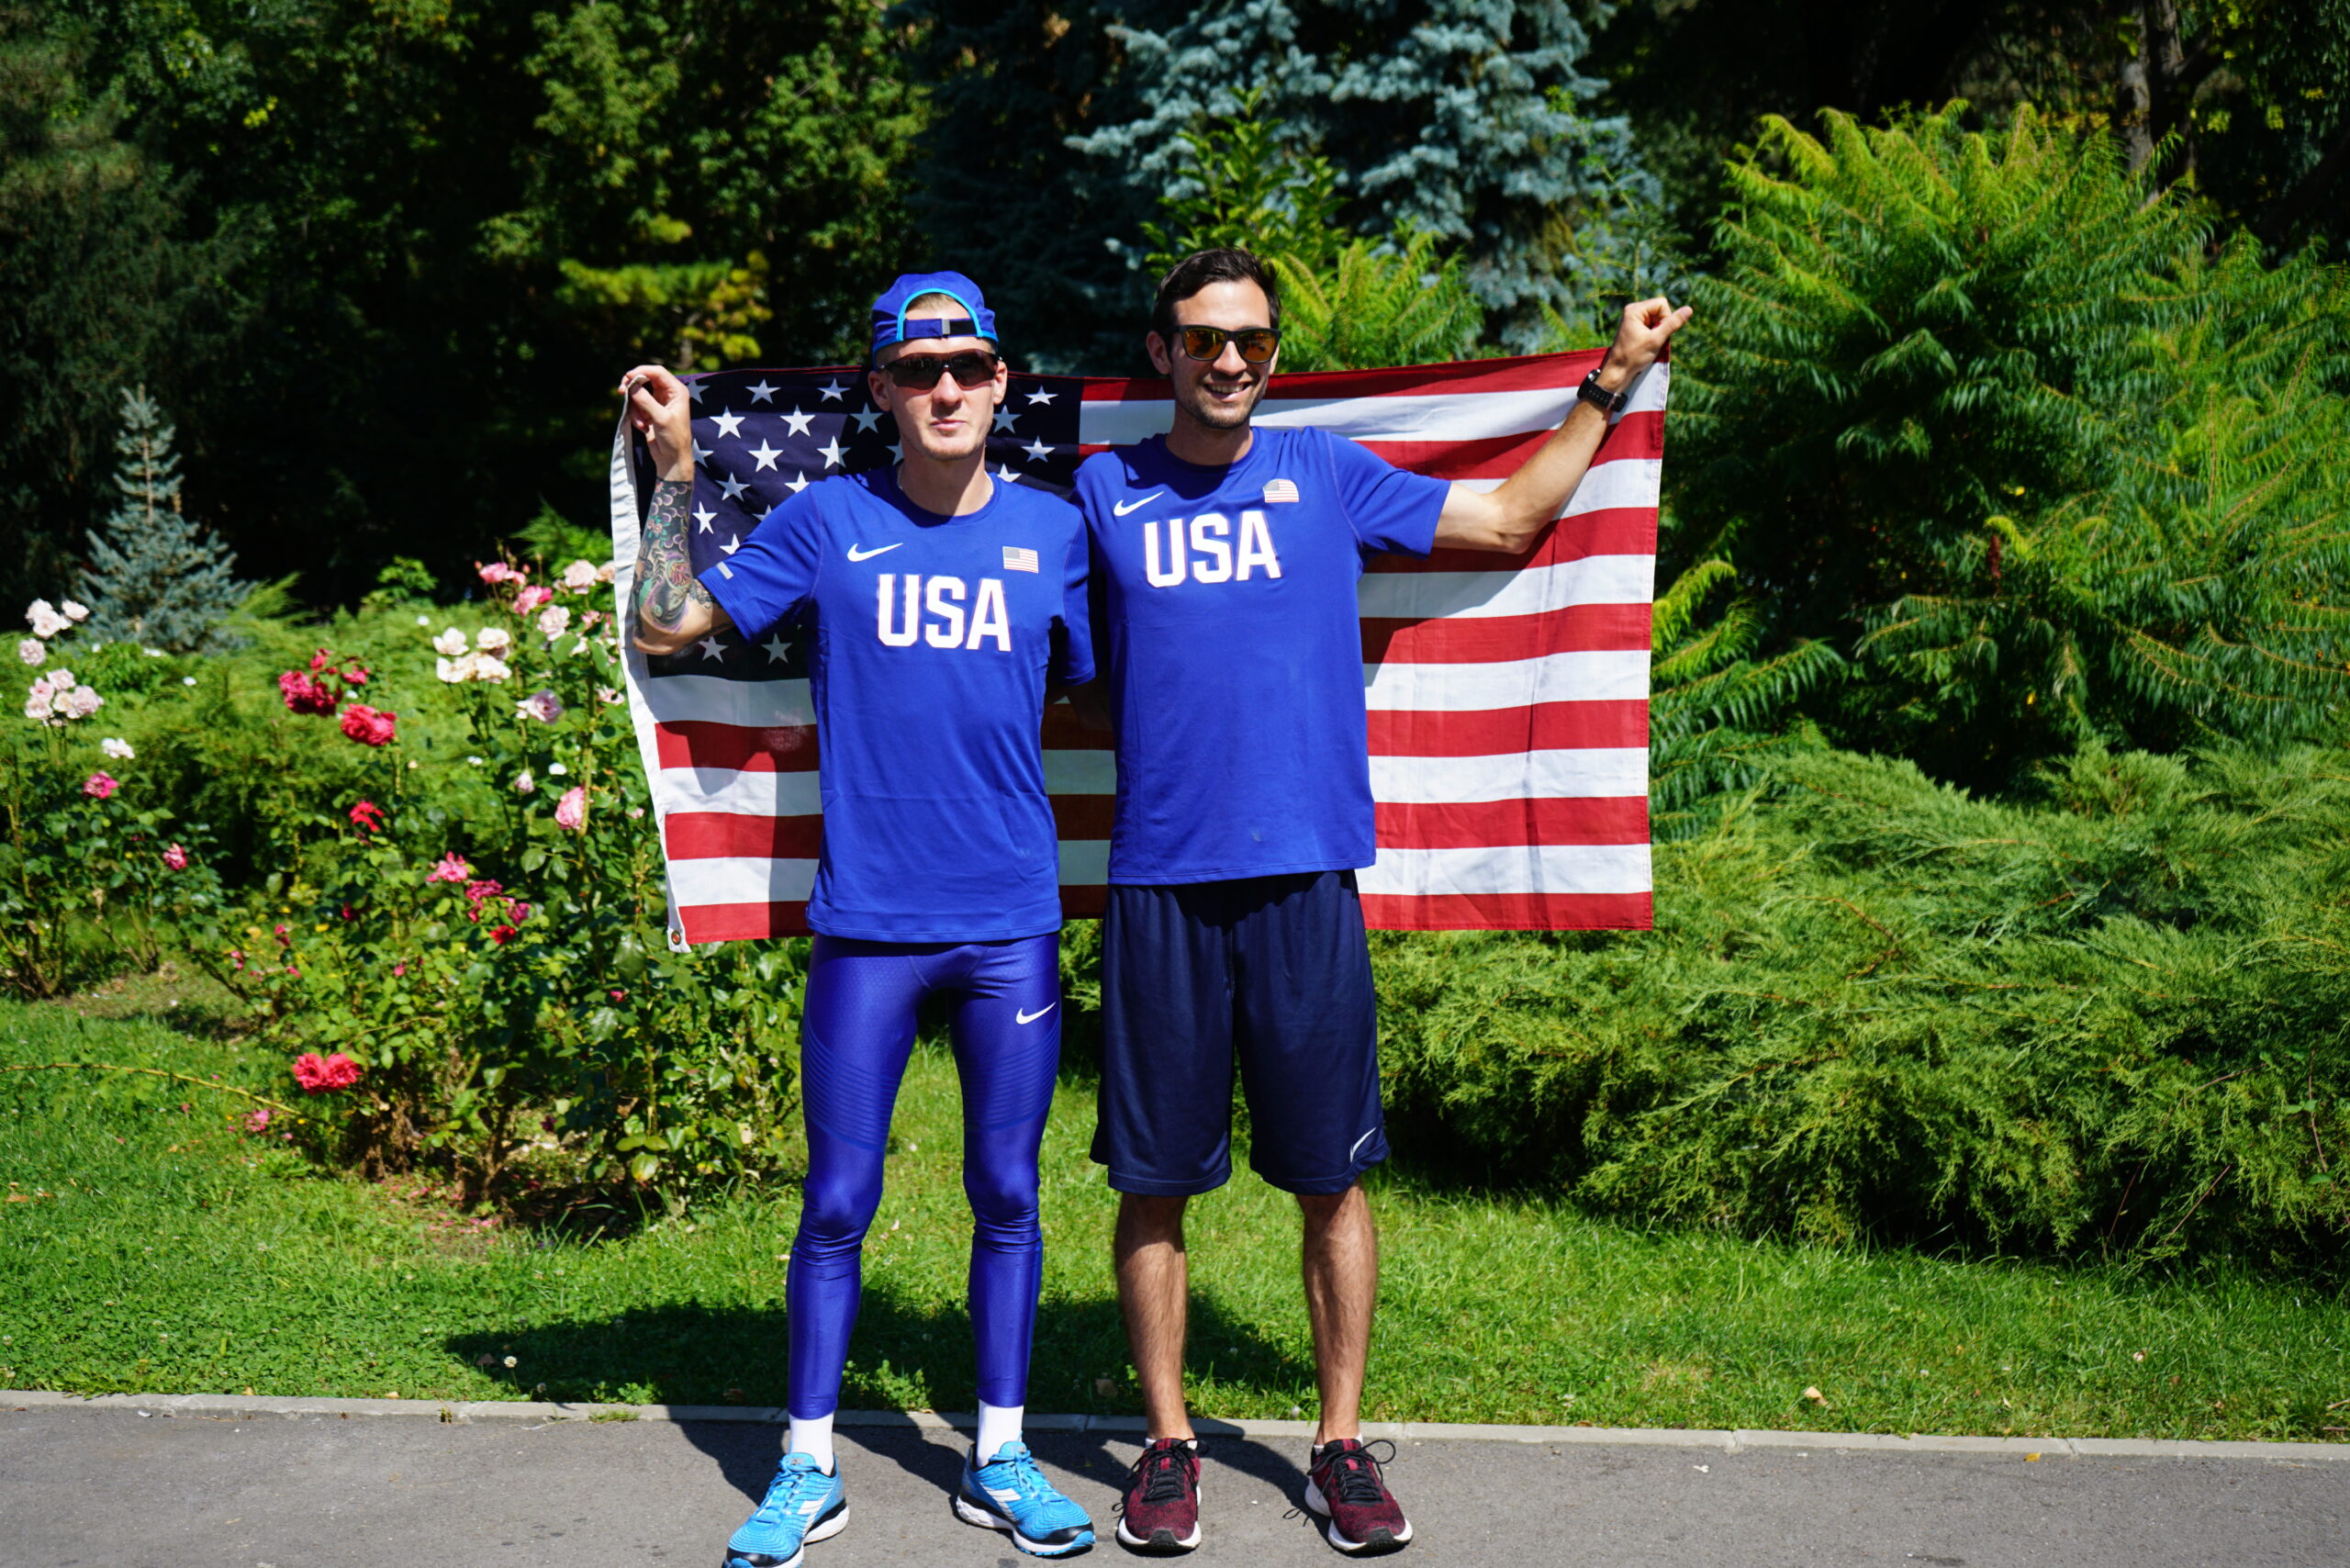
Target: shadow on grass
(902, 1355)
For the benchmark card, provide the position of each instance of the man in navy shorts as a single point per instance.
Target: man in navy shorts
(1224, 560)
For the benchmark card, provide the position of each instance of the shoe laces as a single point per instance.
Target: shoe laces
(1355, 1474)
(1159, 1472)
(1025, 1474)
(786, 1490)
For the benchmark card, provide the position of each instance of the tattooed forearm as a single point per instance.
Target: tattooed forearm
(667, 576)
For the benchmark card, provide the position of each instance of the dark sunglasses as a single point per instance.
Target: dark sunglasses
(920, 372)
(1257, 343)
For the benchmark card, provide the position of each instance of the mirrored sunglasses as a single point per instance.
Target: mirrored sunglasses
(1256, 343)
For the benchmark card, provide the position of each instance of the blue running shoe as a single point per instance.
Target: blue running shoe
(803, 1504)
(1010, 1494)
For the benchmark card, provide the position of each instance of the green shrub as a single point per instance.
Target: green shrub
(1919, 333)
(1873, 1006)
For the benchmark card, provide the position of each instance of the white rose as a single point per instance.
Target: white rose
(489, 666)
(450, 644)
(493, 639)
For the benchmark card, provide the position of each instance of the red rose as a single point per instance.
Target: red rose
(368, 726)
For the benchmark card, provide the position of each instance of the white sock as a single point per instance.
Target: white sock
(813, 1434)
(999, 1425)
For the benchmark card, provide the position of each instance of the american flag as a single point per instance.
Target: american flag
(1508, 695)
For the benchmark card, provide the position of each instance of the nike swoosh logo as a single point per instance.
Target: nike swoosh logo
(856, 555)
(1122, 508)
(1032, 1017)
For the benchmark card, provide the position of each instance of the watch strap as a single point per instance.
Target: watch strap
(1598, 397)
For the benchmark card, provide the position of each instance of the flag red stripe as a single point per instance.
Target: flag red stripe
(1496, 732)
(705, 743)
(1509, 912)
(1497, 457)
(1494, 639)
(741, 922)
(717, 835)
(1620, 531)
(1483, 824)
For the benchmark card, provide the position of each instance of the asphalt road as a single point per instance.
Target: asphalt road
(81, 1488)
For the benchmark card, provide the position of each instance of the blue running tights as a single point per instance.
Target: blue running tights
(856, 1032)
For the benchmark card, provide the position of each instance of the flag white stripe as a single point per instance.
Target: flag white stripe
(1470, 596)
(743, 792)
(1600, 677)
(747, 878)
(1514, 869)
(1576, 773)
(1627, 483)
(753, 704)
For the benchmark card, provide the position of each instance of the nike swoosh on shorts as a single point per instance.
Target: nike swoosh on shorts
(856, 555)
(1026, 1017)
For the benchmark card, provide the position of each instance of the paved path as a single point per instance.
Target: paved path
(84, 1487)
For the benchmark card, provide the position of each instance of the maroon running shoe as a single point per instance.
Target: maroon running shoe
(1161, 1511)
(1346, 1487)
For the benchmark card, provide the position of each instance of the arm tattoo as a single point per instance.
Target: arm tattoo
(667, 576)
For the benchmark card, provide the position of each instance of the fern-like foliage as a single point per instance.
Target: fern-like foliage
(1919, 330)
(2204, 591)
(1394, 302)
(1717, 708)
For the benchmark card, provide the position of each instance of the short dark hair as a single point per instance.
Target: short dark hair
(1201, 268)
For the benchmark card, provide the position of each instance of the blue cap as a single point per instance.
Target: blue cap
(889, 323)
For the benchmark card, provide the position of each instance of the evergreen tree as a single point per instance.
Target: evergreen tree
(1465, 121)
(156, 579)
(1462, 117)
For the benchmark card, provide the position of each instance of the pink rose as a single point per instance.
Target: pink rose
(176, 857)
(81, 702)
(323, 1075)
(32, 651)
(303, 694)
(258, 1122)
(369, 726)
(97, 785)
(37, 701)
(552, 622)
(500, 572)
(46, 621)
(531, 598)
(571, 811)
(451, 868)
(524, 783)
(544, 706)
(578, 576)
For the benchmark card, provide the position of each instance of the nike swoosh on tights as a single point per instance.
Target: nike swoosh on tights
(856, 555)
(1122, 508)
(1026, 1017)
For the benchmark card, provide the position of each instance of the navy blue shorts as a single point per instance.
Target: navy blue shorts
(1270, 972)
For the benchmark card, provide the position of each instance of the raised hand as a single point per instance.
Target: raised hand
(1640, 337)
(661, 409)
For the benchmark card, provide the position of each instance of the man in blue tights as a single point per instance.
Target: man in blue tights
(941, 606)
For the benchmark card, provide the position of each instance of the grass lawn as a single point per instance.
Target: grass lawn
(144, 1247)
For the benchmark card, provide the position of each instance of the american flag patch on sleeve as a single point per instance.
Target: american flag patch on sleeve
(1016, 559)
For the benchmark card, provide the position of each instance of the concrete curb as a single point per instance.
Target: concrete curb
(1395, 1431)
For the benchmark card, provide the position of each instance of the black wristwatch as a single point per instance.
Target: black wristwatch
(1598, 397)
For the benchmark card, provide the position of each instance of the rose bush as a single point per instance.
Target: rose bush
(94, 870)
(489, 956)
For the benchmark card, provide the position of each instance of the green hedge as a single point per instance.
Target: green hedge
(2113, 1020)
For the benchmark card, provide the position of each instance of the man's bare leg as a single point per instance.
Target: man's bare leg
(1155, 1293)
(1341, 1266)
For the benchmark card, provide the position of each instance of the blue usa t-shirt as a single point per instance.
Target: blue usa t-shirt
(930, 641)
(1224, 603)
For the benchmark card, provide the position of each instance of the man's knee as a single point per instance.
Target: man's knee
(1003, 1202)
(836, 1213)
(1147, 1218)
(1323, 1210)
